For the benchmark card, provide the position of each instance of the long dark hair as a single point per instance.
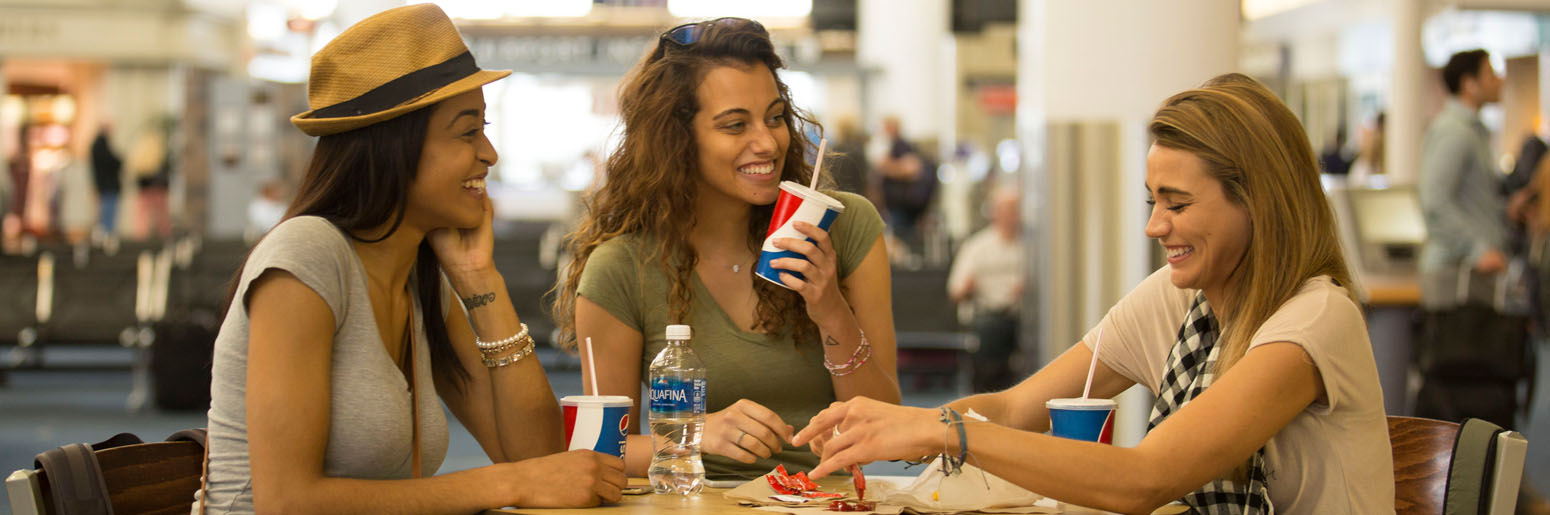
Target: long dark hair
(650, 184)
(359, 179)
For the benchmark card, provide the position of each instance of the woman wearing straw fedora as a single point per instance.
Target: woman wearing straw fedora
(672, 237)
(1268, 397)
(344, 328)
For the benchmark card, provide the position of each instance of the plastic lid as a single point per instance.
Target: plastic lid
(679, 332)
(1079, 403)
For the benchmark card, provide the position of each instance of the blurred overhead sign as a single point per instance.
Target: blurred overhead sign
(116, 34)
(572, 53)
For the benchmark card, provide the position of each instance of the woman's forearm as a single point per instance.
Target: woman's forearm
(527, 418)
(863, 372)
(468, 491)
(637, 454)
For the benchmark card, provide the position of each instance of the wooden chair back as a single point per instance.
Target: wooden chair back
(148, 478)
(1423, 452)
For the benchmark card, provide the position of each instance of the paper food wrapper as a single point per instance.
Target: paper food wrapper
(970, 490)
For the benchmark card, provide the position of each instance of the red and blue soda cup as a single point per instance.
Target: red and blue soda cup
(596, 422)
(1082, 419)
(797, 203)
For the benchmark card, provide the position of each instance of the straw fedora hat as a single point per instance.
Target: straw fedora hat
(389, 64)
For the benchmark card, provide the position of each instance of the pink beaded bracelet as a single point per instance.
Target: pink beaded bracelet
(858, 358)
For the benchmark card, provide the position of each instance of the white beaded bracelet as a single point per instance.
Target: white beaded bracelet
(484, 345)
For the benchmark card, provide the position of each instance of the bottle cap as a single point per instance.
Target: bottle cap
(678, 332)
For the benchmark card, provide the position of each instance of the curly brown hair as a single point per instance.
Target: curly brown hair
(649, 187)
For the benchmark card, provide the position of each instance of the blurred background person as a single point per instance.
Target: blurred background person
(1461, 194)
(106, 173)
(1336, 158)
(990, 272)
(75, 213)
(148, 164)
(909, 183)
(1369, 153)
(847, 152)
(1465, 213)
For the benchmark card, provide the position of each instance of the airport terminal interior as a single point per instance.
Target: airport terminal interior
(113, 286)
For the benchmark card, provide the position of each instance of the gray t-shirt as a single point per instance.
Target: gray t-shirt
(369, 431)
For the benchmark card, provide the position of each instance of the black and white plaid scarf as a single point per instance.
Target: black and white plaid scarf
(1189, 373)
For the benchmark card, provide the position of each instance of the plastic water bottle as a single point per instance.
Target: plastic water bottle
(677, 416)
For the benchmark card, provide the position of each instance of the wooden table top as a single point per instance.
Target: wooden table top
(711, 501)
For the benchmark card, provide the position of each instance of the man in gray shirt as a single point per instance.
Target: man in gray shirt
(1461, 195)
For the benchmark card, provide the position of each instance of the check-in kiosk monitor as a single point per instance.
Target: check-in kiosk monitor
(1389, 227)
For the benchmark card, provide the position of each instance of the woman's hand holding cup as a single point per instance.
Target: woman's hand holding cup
(819, 284)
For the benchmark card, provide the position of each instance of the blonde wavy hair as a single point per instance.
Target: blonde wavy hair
(650, 180)
(1255, 147)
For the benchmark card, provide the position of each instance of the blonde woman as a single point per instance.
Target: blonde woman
(1269, 393)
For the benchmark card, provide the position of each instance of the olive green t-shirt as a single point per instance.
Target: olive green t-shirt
(624, 277)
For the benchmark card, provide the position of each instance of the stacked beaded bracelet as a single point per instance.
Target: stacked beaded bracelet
(858, 358)
(509, 358)
(496, 352)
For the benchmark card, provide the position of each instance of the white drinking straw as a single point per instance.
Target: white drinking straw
(823, 143)
(1097, 342)
(592, 367)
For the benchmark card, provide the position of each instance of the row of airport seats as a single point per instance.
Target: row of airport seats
(933, 346)
(164, 300)
(77, 294)
(141, 295)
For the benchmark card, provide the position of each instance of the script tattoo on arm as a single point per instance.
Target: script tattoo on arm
(478, 299)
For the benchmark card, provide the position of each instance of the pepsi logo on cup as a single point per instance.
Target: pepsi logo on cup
(586, 416)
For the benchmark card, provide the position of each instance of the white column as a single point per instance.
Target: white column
(1544, 87)
(1085, 97)
(1406, 122)
(903, 41)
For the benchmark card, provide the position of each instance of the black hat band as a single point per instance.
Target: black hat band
(403, 89)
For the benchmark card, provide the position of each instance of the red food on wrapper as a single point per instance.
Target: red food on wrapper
(795, 484)
(852, 506)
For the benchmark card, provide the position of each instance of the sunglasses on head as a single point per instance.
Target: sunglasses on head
(689, 33)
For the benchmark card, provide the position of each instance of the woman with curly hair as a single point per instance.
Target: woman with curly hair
(672, 236)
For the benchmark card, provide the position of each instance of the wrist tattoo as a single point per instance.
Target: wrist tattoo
(831, 341)
(479, 299)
